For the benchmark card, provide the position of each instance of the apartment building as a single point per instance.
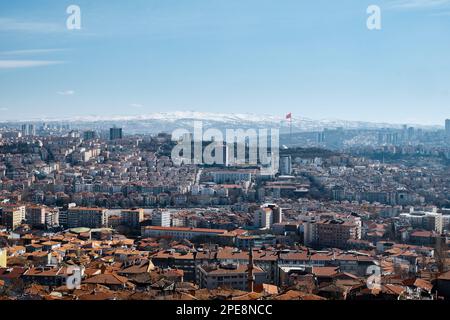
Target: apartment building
(267, 215)
(35, 215)
(51, 217)
(262, 218)
(333, 233)
(232, 176)
(12, 216)
(176, 260)
(86, 217)
(431, 221)
(232, 276)
(132, 217)
(161, 218)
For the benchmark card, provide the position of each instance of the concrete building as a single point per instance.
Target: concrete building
(89, 135)
(35, 215)
(285, 165)
(115, 134)
(232, 176)
(232, 276)
(262, 218)
(63, 215)
(42, 216)
(12, 216)
(28, 130)
(185, 261)
(86, 217)
(161, 218)
(277, 212)
(431, 221)
(132, 217)
(51, 217)
(267, 215)
(333, 233)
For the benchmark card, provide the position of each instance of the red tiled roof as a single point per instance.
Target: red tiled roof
(182, 229)
(107, 279)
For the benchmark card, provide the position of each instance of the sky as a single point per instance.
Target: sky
(316, 59)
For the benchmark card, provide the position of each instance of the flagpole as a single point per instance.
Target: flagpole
(290, 135)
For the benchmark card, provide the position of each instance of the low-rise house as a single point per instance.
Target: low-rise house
(111, 280)
(46, 276)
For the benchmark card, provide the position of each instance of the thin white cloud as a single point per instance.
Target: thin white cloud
(136, 105)
(418, 4)
(16, 25)
(8, 24)
(15, 64)
(3, 109)
(31, 51)
(66, 93)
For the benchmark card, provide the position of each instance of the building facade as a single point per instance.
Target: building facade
(161, 218)
(86, 217)
(132, 218)
(12, 216)
(230, 276)
(333, 233)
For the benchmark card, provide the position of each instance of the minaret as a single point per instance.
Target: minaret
(251, 276)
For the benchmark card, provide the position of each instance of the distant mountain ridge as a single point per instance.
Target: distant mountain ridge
(184, 119)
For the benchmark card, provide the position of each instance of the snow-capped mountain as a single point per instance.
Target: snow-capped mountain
(165, 121)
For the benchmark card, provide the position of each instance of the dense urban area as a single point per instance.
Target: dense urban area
(99, 214)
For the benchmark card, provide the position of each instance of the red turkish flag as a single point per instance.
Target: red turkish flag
(289, 115)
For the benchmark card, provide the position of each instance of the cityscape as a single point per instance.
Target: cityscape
(358, 214)
(250, 152)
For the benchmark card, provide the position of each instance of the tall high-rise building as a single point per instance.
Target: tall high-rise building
(89, 135)
(320, 137)
(31, 130)
(24, 130)
(115, 133)
(28, 130)
(411, 133)
(285, 165)
(447, 127)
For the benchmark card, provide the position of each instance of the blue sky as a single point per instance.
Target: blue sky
(316, 59)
